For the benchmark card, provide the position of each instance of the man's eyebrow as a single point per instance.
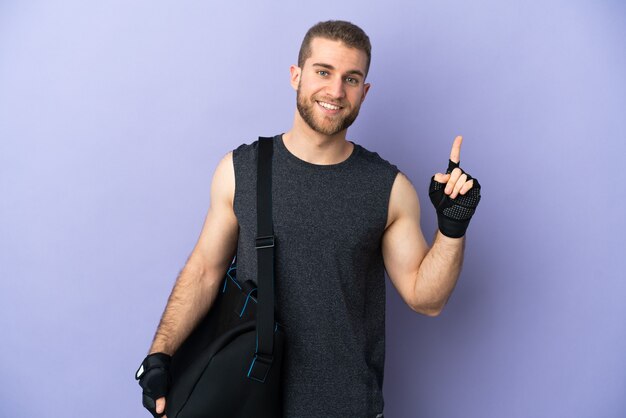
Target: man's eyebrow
(330, 67)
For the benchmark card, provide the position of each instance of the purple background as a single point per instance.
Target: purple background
(113, 116)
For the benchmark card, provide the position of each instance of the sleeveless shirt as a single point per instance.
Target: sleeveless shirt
(329, 274)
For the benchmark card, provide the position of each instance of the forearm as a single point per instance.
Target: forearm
(191, 298)
(438, 273)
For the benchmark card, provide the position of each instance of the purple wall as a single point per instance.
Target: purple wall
(113, 116)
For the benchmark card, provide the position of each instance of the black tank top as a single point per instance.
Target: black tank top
(329, 271)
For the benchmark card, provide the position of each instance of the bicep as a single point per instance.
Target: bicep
(403, 244)
(217, 243)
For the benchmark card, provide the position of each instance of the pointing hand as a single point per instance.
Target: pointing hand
(457, 182)
(455, 195)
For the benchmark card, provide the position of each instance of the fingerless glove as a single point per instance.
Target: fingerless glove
(454, 215)
(154, 378)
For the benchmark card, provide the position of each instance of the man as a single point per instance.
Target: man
(342, 215)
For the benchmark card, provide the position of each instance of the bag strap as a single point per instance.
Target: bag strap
(264, 245)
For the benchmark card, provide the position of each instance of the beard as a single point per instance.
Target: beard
(324, 124)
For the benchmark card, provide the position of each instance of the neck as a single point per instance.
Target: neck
(314, 147)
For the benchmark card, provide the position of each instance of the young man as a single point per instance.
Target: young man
(342, 215)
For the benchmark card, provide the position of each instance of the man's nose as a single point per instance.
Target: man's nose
(336, 88)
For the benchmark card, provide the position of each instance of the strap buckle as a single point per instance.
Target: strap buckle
(264, 242)
(260, 367)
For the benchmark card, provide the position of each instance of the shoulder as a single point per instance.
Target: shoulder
(244, 159)
(378, 169)
(245, 150)
(403, 199)
(223, 183)
(373, 158)
(225, 164)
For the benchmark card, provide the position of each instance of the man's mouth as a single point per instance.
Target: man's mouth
(328, 106)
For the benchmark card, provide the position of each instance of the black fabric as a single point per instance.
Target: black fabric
(454, 215)
(330, 285)
(451, 166)
(265, 266)
(216, 383)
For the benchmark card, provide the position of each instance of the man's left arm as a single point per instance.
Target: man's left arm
(425, 277)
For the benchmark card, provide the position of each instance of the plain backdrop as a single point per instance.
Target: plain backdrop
(113, 116)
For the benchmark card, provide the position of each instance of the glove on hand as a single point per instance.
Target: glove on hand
(154, 379)
(454, 215)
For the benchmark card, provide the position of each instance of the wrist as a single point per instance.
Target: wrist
(160, 347)
(451, 228)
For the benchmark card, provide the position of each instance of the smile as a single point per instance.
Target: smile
(328, 106)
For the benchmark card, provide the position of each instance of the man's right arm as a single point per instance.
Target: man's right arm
(198, 284)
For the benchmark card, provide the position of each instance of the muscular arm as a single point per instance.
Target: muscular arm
(424, 276)
(197, 285)
(439, 272)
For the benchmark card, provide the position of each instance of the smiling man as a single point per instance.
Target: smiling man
(342, 216)
(340, 100)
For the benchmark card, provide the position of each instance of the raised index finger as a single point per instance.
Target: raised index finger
(455, 154)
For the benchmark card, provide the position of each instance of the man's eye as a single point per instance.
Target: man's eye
(323, 73)
(352, 80)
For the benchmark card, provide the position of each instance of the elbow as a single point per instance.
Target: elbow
(431, 310)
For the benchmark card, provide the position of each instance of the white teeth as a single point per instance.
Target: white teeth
(328, 106)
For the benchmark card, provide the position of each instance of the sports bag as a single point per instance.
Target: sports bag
(230, 365)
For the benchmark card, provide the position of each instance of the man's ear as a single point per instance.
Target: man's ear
(366, 88)
(296, 73)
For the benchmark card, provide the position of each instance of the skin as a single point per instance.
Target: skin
(424, 276)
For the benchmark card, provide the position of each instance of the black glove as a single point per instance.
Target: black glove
(454, 215)
(154, 379)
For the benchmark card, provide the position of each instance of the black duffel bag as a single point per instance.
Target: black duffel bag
(213, 374)
(230, 365)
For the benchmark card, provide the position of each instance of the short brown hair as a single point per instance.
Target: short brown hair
(336, 30)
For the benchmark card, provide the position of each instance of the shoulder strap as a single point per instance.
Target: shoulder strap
(265, 262)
